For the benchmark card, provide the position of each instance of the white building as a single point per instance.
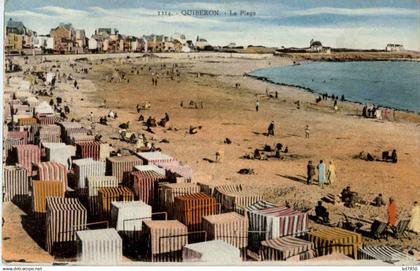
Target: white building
(394, 47)
(201, 43)
(92, 44)
(43, 42)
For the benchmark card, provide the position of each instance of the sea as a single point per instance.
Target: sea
(394, 84)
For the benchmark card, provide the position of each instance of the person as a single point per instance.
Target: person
(277, 95)
(347, 197)
(394, 156)
(364, 111)
(217, 157)
(307, 131)
(335, 105)
(257, 105)
(414, 224)
(166, 117)
(310, 171)
(378, 201)
(257, 154)
(391, 211)
(322, 213)
(270, 130)
(331, 173)
(321, 173)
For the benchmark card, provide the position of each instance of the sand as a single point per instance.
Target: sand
(229, 112)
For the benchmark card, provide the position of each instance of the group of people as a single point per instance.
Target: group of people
(325, 175)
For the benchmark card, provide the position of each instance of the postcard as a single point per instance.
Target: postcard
(281, 133)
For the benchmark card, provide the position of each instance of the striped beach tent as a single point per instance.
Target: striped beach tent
(168, 192)
(283, 248)
(15, 184)
(165, 239)
(43, 189)
(331, 240)
(387, 254)
(229, 227)
(64, 217)
(152, 158)
(99, 247)
(93, 184)
(52, 171)
(106, 195)
(88, 150)
(145, 185)
(278, 221)
(121, 166)
(26, 155)
(87, 167)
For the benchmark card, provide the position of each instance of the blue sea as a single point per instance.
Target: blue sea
(385, 83)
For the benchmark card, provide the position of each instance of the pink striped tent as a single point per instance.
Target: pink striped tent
(278, 221)
(46, 119)
(52, 171)
(21, 135)
(28, 154)
(152, 158)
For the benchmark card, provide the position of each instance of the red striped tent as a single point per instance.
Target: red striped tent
(145, 185)
(278, 221)
(229, 227)
(52, 171)
(64, 217)
(26, 155)
(15, 184)
(284, 248)
(168, 192)
(88, 149)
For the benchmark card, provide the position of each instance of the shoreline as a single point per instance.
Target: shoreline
(312, 91)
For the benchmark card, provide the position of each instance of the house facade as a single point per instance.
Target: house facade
(394, 47)
(64, 38)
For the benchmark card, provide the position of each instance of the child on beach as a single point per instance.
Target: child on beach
(307, 131)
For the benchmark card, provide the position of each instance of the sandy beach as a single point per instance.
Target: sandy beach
(229, 112)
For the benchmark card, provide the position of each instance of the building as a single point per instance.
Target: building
(81, 38)
(64, 38)
(106, 32)
(43, 42)
(201, 44)
(394, 47)
(18, 37)
(155, 43)
(317, 47)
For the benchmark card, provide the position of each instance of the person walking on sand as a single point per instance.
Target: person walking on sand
(321, 174)
(414, 224)
(310, 171)
(270, 130)
(257, 105)
(307, 131)
(391, 211)
(331, 173)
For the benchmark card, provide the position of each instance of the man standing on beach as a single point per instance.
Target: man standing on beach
(307, 131)
(310, 171)
(270, 129)
(257, 105)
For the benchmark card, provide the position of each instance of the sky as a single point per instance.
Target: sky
(359, 24)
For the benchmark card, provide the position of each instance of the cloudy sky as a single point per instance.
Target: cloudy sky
(339, 23)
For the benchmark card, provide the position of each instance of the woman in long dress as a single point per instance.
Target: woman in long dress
(414, 224)
(331, 173)
(321, 173)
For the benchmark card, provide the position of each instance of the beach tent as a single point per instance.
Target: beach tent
(211, 252)
(284, 248)
(44, 109)
(336, 239)
(387, 254)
